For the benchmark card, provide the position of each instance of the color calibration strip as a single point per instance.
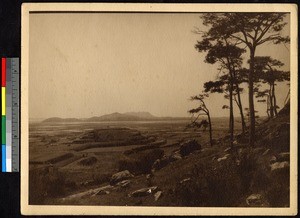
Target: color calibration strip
(10, 114)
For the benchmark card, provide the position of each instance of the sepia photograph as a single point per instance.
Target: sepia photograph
(159, 109)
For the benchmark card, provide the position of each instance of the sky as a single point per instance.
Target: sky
(84, 65)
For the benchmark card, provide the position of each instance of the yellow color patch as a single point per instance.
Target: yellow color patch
(3, 98)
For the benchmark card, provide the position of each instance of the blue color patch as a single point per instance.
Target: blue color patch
(3, 158)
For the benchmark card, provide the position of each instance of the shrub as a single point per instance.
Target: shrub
(213, 186)
(102, 178)
(45, 182)
(246, 169)
(88, 161)
(140, 162)
(278, 192)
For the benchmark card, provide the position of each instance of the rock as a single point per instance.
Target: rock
(124, 183)
(160, 163)
(266, 152)
(157, 195)
(188, 147)
(254, 200)
(257, 150)
(175, 156)
(227, 149)
(143, 192)
(284, 156)
(120, 176)
(102, 192)
(279, 165)
(149, 176)
(223, 158)
(88, 182)
(185, 180)
(273, 159)
(92, 192)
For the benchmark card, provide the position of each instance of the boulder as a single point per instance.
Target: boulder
(102, 192)
(188, 147)
(223, 158)
(227, 149)
(266, 152)
(279, 165)
(143, 192)
(273, 159)
(175, 156)
(185, 180)
(254, 200)
(157, 195)
(120, 176)
(124, 183)
(160, 163)
(257, 150)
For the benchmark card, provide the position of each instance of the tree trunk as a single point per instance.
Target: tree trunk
(271, 102)
(231, 110)
(241, 108)
(210, 130)
(251, 100)
(274, 100)
(268, 106)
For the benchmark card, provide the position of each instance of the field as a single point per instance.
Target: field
(88, 154)
(159, 163)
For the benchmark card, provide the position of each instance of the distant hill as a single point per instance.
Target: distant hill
(114, 117)
(145, 115)
(128, 116)
(60, 120)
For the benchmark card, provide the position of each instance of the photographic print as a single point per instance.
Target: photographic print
(166, 109)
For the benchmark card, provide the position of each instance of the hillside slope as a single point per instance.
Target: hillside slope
(217, 176)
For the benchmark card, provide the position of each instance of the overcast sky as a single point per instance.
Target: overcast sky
(83, 65)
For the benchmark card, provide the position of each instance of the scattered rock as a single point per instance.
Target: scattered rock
(175, 156)
(124, 183)
(120, 176)
(185, 180)
(149, 176)
(266, 152)
(227, 149)
(188, 147)
(284, 156)
(223, 158)
(149, 179)
(160, 163)
(143, 192)
(254, 200)
(157, 195)
(257, 150)
(273, 159)
(279, 165)
(88, 182)
(102, 192)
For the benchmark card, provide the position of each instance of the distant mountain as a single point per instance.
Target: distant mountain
(129, 116)
(114, 117)
(145, 115)
(60, 120)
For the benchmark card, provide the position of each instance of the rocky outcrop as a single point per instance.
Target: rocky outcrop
(120, 176)
(143, 192)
